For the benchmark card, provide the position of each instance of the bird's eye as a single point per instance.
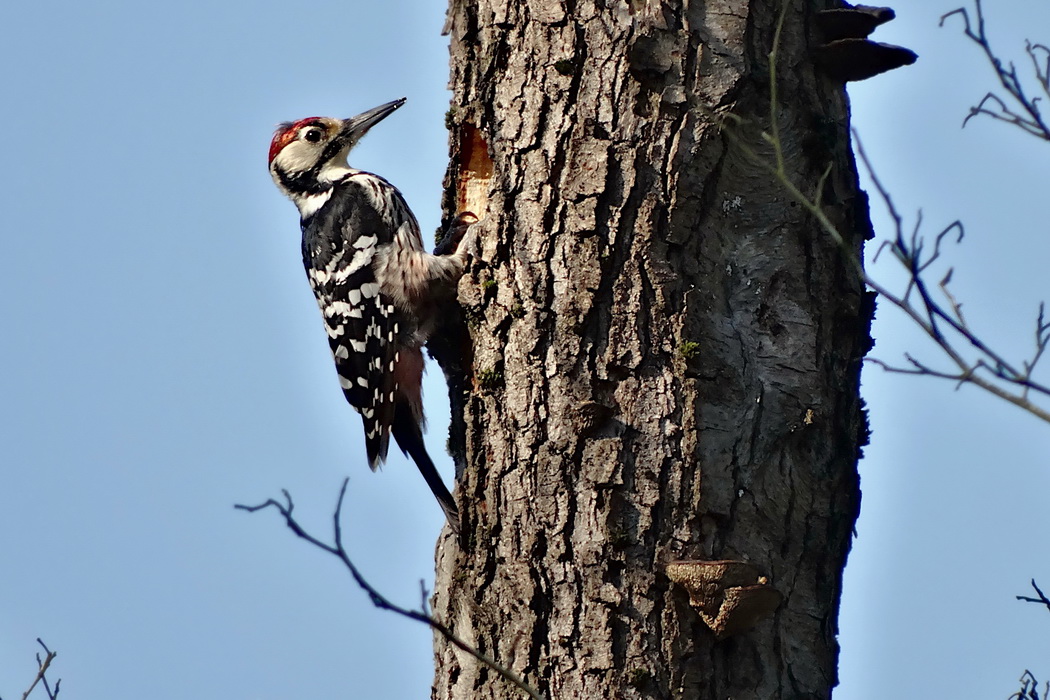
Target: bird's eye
(313, 135)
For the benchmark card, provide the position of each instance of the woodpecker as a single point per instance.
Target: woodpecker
(378, 289)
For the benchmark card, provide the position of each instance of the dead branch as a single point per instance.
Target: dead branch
(1019, 109)
(41, 673)
(1042, 599)
(337, 550)
(1030, 688)
(944, 322)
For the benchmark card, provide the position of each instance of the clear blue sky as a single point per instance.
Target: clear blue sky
(162, 360)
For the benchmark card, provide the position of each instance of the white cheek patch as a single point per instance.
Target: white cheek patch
(296, 157)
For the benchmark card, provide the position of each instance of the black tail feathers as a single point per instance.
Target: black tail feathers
(409, 437)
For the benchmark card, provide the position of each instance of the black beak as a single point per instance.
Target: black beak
(356, 127)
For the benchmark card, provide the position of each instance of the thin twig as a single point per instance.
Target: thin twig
(378, 600)
(42, 666)
(1042, 599)
(1030, 688)
(1024, 113)
(934, 314)
(774, 122)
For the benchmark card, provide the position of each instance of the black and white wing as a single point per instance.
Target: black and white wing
(339, 248)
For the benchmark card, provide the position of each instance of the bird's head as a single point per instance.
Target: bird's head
(308, 155)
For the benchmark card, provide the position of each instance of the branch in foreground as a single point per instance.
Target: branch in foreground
(378, 600)
(1019, 108)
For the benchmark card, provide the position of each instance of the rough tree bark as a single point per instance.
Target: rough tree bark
(664, 349)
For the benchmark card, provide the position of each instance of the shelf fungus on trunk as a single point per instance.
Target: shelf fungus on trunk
(730, 596)
(844, 51)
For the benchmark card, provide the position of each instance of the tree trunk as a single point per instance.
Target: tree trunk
(663, 350)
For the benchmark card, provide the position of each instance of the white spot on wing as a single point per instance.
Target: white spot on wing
(360, 259)
(337, 307)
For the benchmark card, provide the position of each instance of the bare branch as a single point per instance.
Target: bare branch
(943, 323)
(1030, 688)
(934, 315)
(41, 674)
(378, 600)
(1019, 109)
(1042, 599)
(1042, 339)
(1029, 685)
